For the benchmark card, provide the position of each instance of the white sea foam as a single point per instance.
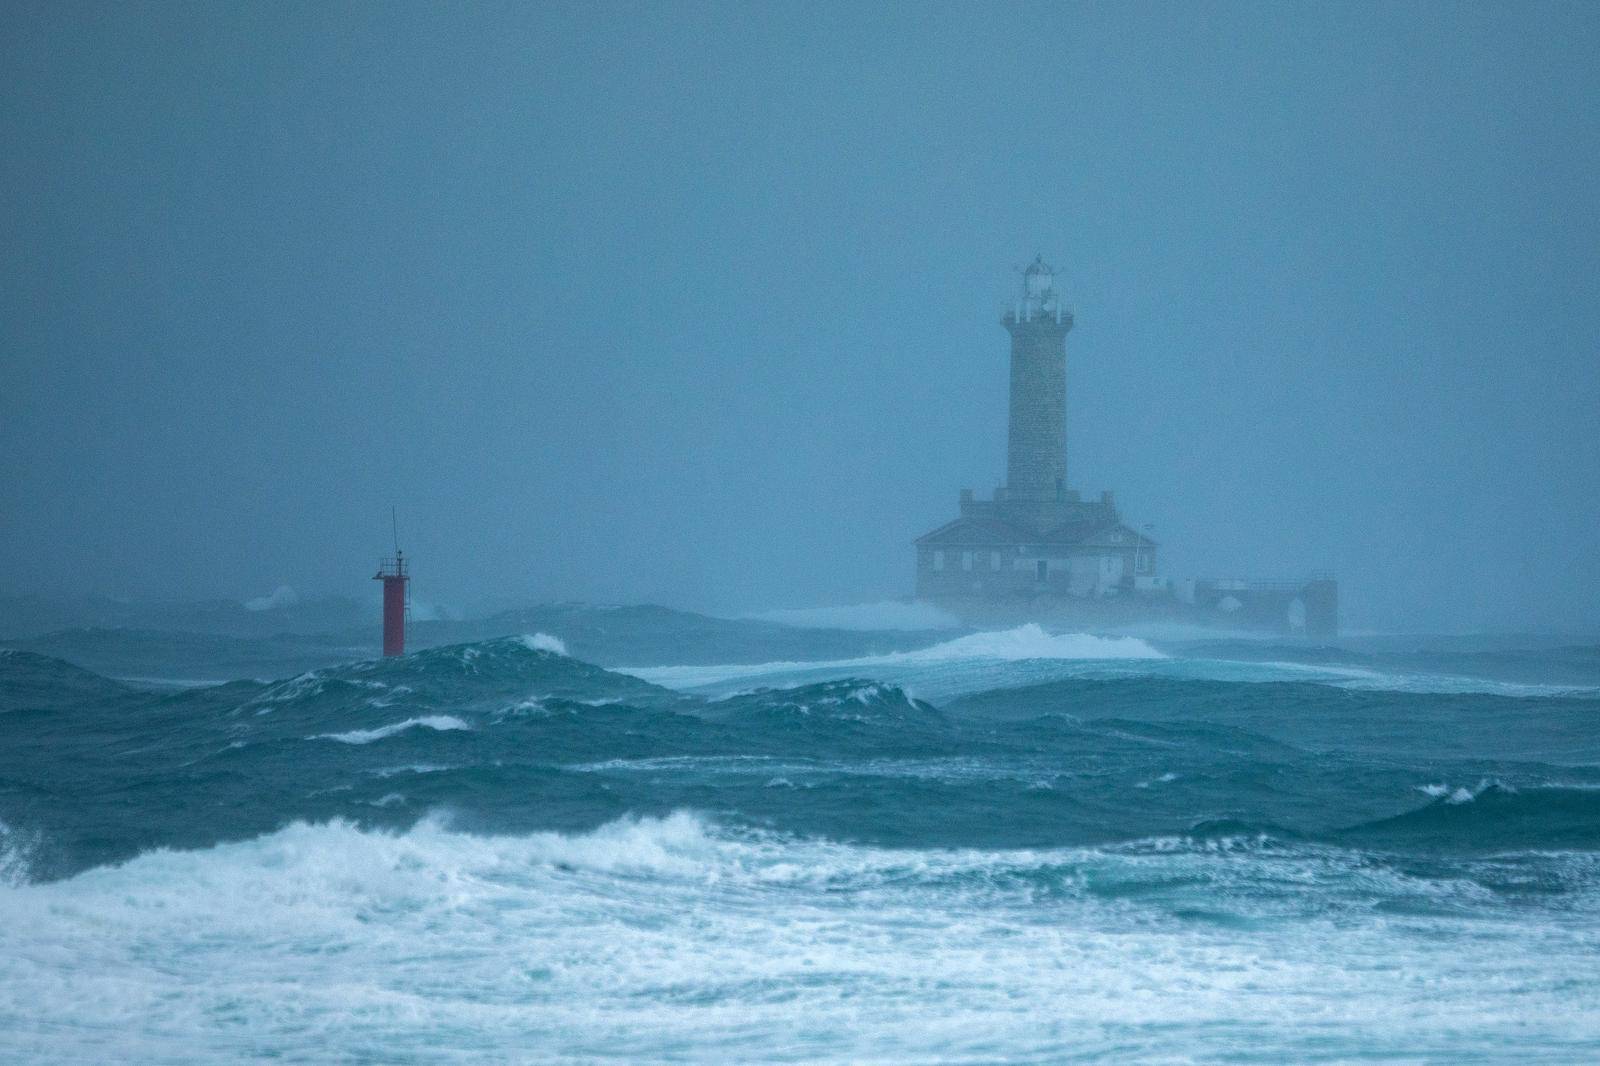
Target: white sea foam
(412, 768)
(16, 851)
(1024, 643)
(1029, 655)
(440, 722)
(1462, 794)
(1032, 642)
(658, 939)
(544, 642)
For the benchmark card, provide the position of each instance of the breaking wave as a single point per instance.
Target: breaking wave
(545, 642)
(1024, 643)
(440, 722)
(1494, 816)
(673, 933)
(1008, 845)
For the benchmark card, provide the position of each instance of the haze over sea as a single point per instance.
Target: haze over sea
(634, 834)
(734, 307)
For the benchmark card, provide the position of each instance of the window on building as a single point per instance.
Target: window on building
(966, 560)
(994, 560)
(1042, 568)
(938, 560)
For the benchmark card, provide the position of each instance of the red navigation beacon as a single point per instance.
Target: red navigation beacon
(392, 572)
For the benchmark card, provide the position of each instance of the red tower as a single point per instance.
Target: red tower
(392, 572)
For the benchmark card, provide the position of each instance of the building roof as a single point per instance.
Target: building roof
(1117, 535)
(982, 531)
(974, 530)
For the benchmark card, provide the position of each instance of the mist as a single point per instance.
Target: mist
(699, 304)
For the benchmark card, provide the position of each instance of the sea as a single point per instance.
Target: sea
(642, 836)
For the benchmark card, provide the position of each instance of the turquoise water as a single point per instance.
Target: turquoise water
(1006, 846)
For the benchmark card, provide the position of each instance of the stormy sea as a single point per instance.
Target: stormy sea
(646, 836)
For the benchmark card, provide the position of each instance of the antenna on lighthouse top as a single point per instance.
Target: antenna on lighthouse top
(394, 519)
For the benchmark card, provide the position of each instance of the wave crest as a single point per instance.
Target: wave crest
(1032, 641)
(442, 723)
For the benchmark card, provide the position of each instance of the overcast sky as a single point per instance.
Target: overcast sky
(698, 304)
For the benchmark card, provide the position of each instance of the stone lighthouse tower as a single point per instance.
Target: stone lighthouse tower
(1036, 446)
(1040, 552)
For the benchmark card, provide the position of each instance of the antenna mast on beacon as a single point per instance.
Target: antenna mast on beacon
(392, 572)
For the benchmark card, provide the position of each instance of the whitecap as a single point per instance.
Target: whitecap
(1022, 644)
(441, 722)
(669, 937)
(544, 642)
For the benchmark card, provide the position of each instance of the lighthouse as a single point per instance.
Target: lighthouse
(392, 572)
(1036, 441)
(1037, 541)
(1038, 551)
